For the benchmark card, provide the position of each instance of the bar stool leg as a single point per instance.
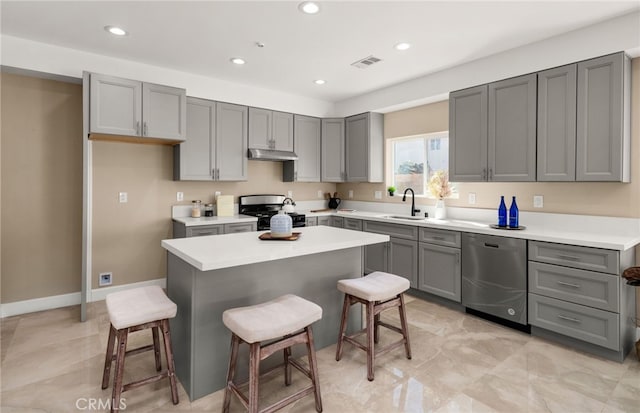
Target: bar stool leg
(108, 358)
(231, 372)
(371, 352)
(168, 351)
(156, 348)
(119, 373)
(254, 375)
(287, 366)
(313, 369)
(405, 328)
(343, 325)
(376, 323)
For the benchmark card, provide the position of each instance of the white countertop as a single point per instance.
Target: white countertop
(192, 222)
(230, 250)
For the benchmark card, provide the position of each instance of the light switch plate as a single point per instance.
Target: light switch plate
(350, 193)
(290, 194)
(472, 198)
(179, 196)
(319, 194)
(122, 197)
(538, 201)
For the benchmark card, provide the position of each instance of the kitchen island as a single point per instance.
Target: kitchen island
(207, 275)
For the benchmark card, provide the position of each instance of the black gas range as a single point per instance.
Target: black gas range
(264, 207)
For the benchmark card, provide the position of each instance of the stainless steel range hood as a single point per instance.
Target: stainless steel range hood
(271, 155)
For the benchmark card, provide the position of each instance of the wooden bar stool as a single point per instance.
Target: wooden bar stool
(378, 291)
(134, 310)
(287, 320)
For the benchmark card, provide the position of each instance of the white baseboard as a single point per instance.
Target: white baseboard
(65, 300)
(39, 304)
(99, 294)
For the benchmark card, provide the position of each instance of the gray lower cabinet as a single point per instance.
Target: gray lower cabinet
(512, 129)
(352, 223)
(577, 292)
(270, 129)
(307, 145)
(468, 134)
(439, 263)
(337, 222)
(603, 119)
(126, 107)
(180, 230)
(333, 150)
(399, 257)
(364, 147)
(311, 221)
(216, 145)
(324, 220)
(557, 124)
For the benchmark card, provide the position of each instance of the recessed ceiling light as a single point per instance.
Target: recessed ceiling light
(309, 7)
(402, 46)
(117, 31)
(319, 82)
(237, 61)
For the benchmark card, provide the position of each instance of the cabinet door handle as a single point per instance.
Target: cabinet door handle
(457, 258)
(218, 174)
(568, 257)
(484, 174)
(213, 174)
(295, 176)
(569, 284)
(437, 238)
(144, 129)
(138, 128)
(491, 174)
(573, 320)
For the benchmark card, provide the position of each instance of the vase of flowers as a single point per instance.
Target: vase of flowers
(440, 188)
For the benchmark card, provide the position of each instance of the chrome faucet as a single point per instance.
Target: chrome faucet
(413, 201)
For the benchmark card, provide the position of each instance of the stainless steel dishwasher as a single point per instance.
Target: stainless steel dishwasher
(494, 276)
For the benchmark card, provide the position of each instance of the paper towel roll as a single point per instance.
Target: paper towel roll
(225, 205)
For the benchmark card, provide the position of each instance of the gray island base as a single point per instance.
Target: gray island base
(201, 342)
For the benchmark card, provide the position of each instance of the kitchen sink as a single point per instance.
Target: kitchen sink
(407, 217)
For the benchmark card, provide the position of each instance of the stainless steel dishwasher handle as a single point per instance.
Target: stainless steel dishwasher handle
(486, 244)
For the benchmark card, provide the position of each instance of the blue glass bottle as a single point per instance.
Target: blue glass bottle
(513, 214)
(502, 213)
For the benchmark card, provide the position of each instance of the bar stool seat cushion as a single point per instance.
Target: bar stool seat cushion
(376, 286)
(273, 319)
(139, 306)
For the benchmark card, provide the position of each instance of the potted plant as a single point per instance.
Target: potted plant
(392, 190)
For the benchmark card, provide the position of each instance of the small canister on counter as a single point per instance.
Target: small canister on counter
(208, 210)
(195, 208)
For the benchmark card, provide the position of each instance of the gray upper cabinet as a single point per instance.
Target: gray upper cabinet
(364, 147)
(468, 134)
(603, 127)
(131, 108)
(512, 129)
(333, 150)
(557, 124)
(269, 129)
(307, 132)
(216, 147)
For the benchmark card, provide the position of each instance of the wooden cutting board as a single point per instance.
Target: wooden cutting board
(267, 237)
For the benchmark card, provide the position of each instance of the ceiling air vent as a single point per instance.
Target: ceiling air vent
(366, 62)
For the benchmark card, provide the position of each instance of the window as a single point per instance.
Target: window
(415, 159)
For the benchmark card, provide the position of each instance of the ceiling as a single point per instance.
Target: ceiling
(201, 37)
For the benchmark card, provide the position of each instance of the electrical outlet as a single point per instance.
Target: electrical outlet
(217, 194)
(472, 198)
(290, 194)
(538, 201)
(319, 194)
(105, 278)
(350, 193)
(122, 197)
(179, 196)
(377, 194)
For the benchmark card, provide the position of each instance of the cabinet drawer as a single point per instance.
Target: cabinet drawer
(440, 237)
(586, 258)
(325, 220)
(583, 323)
(204, 230)
(394, 230)
(240, 227)
(352, 223)
(594, 289)
(311, 221)
(337, 222)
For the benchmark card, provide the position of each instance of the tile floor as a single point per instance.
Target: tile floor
(51, 362)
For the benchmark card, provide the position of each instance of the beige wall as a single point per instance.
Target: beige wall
(612, 199)
(126, 237)
(41, 176)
